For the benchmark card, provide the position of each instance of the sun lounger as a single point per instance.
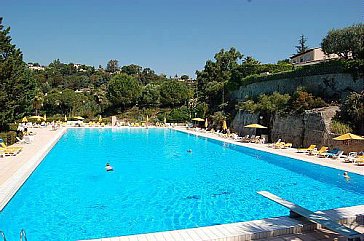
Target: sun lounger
(287, 145)
(10, 150)
(279, 145)
(305, 150)
(337, 155)
(351, 157)
(2, 144)
(245, 139)
(359, 161)
(331, 153)
(320, 152)
(273, 144)
(255, 139)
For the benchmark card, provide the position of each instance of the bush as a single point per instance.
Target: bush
(8, 137)
(303, 100)
(338, 127)
(352, 111)
(178, 115)
(11, 137)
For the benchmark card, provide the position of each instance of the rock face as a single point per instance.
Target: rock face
(310, 127)
(328, 85)
(242, 119)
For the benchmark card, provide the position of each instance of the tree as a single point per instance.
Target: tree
(112, 66)
(123, 90)
(174, 93)
(185, 77)
(148, 76)
(301, 47)
(347, 42)
(352, 111)
(132, 69)
(150, 95)
(212, 80)
(17, 85)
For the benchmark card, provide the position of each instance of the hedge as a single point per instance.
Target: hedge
(355, 67)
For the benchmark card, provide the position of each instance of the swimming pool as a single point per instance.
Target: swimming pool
(157, 185)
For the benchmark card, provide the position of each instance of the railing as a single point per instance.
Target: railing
(2, 234)
(23, 235)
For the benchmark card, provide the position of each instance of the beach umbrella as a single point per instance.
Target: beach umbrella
(198, 119)
(24, 119)
(206, 123)
(78, 118)
(35, 117)
(257, 126)
(224, 126)
(165, 120)
(100, 119)
(45, 117)
(147, 118)
(348, 136)
(65, 118)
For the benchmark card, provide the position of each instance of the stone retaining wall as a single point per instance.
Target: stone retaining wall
(328, 85)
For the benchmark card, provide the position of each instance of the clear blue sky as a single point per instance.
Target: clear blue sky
(170, 36)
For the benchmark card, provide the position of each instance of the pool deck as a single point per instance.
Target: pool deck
(14, 171)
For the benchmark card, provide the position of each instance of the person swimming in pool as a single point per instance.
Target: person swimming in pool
(346, 176)
(108, 167)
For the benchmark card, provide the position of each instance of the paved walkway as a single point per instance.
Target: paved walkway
(290, 152)
(319, 235)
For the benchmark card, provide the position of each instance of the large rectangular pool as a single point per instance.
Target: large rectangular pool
(157, 185)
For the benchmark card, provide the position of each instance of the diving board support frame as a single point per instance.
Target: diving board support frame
(298, 211)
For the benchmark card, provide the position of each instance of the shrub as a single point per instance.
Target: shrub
(10, 137)
(179, 115)
(338, 127)
(303, 100)
(352, 111)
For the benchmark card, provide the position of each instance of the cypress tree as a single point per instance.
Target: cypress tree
(17, 85)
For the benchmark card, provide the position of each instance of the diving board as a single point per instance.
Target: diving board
(326, 222)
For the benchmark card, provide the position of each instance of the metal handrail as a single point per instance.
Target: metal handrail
(2, 234)
(23, 235)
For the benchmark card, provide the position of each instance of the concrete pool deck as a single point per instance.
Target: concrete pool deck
(15, 170)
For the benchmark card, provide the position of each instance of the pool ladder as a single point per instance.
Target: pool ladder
(23, 235)
(2, 234)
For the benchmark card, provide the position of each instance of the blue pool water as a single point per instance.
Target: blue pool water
(157, 185)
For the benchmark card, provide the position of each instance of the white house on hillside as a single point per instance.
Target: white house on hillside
(311, 56)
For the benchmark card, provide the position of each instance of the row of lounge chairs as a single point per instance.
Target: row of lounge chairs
(280, 145)
(253, 139)
(335, 153)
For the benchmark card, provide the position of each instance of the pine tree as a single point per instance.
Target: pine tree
(302, 47)
(16, 82)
